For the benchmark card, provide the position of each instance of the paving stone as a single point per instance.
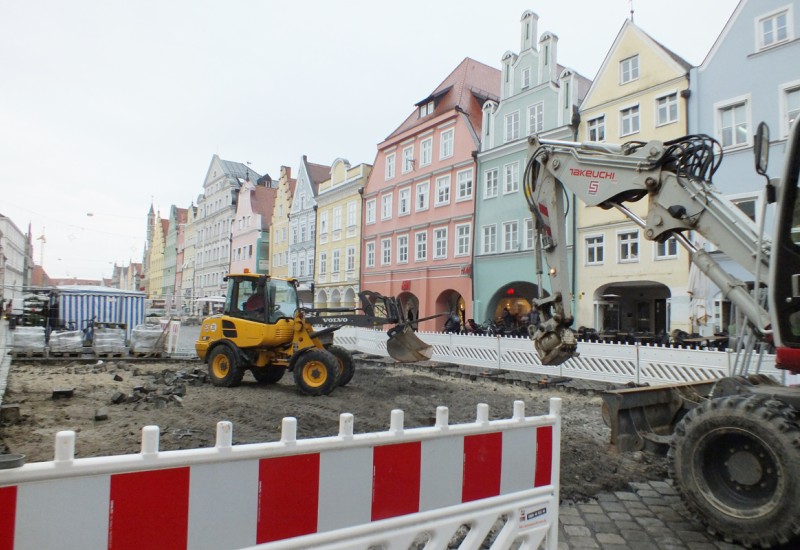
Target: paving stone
(635, 505)
(583, 542)
(606, 497)
(597, 518)
(669, 539)
(568, 511)
(651, 501)
(658, 532)
(563, 546)
(571, 520)
(628, 525)
(620, 516)
(610, 538)
(626, 496)
(648, 493)
(671, 546)
(691, 536)
(666, 513)
(650, 522)
(605, 546)
(590, 508)
(577, 531)
(701, 546)
(637, 486)
(635, 535)
(613, 507)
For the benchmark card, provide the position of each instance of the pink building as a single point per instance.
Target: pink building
(250, 230)
(419, 200)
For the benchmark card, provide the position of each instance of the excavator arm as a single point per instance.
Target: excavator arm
(675, 178)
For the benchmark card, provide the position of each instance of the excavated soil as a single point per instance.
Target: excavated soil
(114, 399)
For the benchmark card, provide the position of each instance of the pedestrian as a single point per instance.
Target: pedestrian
(506, 318)
(533, 316)
(453, 323)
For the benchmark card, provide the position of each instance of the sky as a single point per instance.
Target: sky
(109, 106)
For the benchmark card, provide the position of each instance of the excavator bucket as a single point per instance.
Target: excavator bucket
(405, 346)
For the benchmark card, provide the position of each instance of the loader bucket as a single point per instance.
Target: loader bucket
(405, 346)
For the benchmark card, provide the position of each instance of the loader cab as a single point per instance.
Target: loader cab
(260, 298)
(785, 259)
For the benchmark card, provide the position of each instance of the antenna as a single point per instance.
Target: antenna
(631, 1)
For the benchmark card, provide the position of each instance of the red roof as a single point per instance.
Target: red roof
(262, 200)
(467, 87)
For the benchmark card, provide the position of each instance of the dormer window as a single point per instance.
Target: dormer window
(426, 109)
(629, 69)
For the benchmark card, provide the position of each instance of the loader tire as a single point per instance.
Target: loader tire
(347, 367)
(223, 367)
(736, 463)
(316, 372)
(268, 375)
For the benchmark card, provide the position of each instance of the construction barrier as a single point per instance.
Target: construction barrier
(500, 478)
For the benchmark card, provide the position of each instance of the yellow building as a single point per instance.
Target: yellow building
(156, 275)
(625, 282)
(338, 242)
(279, 232)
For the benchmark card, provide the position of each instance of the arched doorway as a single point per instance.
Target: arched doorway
(336, 298)
(515, 296)
(450, 301)
(321, 300)
(632, 306)
(409, 303)
(350, 298)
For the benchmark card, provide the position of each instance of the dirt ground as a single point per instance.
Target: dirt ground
(176, 397)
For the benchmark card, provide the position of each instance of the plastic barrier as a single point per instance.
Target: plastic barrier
(347, 491)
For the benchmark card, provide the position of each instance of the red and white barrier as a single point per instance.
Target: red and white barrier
(346, 491)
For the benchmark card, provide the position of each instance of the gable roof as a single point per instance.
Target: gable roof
(723, 34)
(262, 200)
(678, 63)
(470, 80)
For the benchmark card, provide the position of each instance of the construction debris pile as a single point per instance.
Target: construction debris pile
(163, 389)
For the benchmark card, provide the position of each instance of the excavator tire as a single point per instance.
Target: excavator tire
(316, 372)
(347, 367)
(268, 375)
(223, 367)
(736, 463)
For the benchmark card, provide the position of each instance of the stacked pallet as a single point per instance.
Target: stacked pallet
(109, 342)
(148, 340)
(28, 342)
(66, 343)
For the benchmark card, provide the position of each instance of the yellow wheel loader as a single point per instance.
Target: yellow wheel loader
(264, 329)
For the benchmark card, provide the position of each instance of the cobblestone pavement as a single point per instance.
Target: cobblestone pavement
(649, 516)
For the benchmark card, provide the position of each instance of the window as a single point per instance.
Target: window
(594, 250)
(530, 234)
(390, 166)
(463, 239)
(774, 29)
(370, 254)
(446, 144)
(408, 159)
(423, 191)
(628, 246)
(791, 106)
(732, 123)
(404, 204)
(310, 271)
(440, 243)
(748, 205)
(629, 69)
(323, 263)
(422, 246)
(489, 242)
(426, 152)
(426, 109)
(337, 218)
(490, 183)
(526, 77)
(301, 266)
(371, 207)
(512, 126)
(335, 267)
(510, 236)
(667, 249)
(352, 210)
(351, 258)
(511, 178)
(386, 251)
(402, 249)
(442, 190)
(629, 120)
(386, 206)
(597, 129)
(464, 185)
(536, 118)
(667, 109)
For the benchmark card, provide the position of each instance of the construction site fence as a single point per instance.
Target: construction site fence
(605, 362)
(488, 483)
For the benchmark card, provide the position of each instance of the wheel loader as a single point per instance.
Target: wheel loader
(733, 443)
(264, 329)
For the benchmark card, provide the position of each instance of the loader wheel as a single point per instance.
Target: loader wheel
(316, 371)
(223, 367)
(268, 375)
(736, 463)
(347, 367)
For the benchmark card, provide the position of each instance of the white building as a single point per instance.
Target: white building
(16, 263)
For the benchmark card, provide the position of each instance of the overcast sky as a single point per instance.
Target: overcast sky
(107, 106)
